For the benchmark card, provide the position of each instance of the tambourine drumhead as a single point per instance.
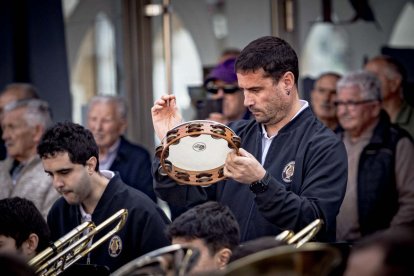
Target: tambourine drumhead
(199, 153)
(194, 152)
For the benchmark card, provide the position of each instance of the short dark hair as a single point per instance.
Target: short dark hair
(19, 218)
(272, 54)
(212, 222)
(72, 138)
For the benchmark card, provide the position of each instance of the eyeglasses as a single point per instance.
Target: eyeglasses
(227, 89)
(352, 104)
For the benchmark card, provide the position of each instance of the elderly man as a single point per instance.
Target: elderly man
(21, 174)
(107, 120)
(14, 92)
(323, 96)
(380, 190)
(392, 77)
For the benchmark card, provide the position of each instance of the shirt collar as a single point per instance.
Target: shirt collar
(304, 104)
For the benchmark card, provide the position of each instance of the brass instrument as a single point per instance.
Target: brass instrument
(297, 257)
(175, 260)
(311, 259)
(306, 234)
(74, 245)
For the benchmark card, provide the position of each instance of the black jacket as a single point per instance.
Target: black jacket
(315, 190)
(133, 163)
(142, 233)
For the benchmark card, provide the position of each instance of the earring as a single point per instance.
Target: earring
(287, 92)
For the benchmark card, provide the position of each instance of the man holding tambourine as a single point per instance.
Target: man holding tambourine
(289, 169)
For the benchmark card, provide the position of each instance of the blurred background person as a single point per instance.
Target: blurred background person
(107, 120)
(393, 77)
(380, 190)
(323, 96)
(21, 173)
(221, 84)
(386, 253)
(228, 53)
(23, 230)
(11, 93)
(212, 229)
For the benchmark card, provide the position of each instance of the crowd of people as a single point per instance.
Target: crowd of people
(343, 158)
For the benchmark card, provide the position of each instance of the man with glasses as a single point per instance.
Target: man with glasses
(221, 84)
(380, 188)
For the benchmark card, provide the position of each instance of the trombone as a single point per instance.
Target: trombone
(301, 237)
(74, 245)
(306, 234)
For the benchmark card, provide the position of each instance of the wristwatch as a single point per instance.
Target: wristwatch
(260, 186)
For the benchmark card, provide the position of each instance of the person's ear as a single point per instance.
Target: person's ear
(394, 84)
(376, 110)
(123, 124)
(288, 81)
(91, 164)
(38, 132)
(29, 246)
(223, 258)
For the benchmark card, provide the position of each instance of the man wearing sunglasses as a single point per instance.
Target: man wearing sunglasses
(221, 84)
(380, 190)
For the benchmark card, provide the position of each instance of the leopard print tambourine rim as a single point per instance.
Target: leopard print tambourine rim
(194, 152)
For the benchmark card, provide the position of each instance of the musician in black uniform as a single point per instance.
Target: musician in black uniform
(70, 156)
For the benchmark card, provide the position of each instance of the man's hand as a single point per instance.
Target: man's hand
(165, 115)
(243, 168)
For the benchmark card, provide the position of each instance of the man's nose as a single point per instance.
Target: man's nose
(57, 182)
(220, 92)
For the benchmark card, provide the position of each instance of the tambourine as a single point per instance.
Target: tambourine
(194, 152)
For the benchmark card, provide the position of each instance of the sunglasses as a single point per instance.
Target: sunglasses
(227, 89)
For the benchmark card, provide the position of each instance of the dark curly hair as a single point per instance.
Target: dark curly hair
(272, 54)
(19, 218)
(72, 138)
(212, 222)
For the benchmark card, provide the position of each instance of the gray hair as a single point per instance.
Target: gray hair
(37, 111)
(121, 106)
(368, 84)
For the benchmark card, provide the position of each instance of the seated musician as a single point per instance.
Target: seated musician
(69, 155)
(212, 229)
(23, 230)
